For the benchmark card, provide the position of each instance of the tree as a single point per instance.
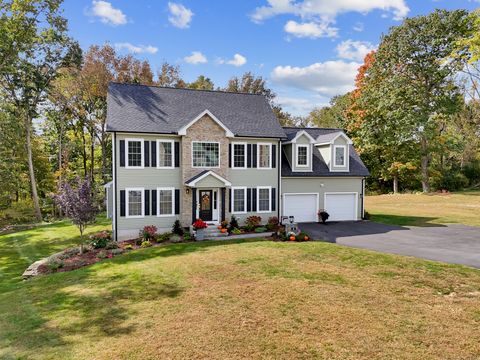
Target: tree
(34, 47)
(202, 83)
(333, 116)
(169, 76)
(77, 202)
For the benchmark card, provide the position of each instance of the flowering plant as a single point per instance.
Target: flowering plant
(199, 224)
(148, 232)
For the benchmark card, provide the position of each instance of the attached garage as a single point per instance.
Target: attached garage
(303, 207)
(341, 206)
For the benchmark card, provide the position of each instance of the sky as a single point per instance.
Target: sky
(308, 51)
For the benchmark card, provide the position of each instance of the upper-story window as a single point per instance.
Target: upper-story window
(264, 156)
(205, 154)
(239, 155)
(165, 154)
(302, 155)
(339, 153)
(134, 153)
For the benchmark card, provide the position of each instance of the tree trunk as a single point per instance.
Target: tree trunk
(425, 162)
(84, 153)
(31, 170)
(395, 184)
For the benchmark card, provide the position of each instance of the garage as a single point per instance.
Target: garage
(341, 206)
(303, 207)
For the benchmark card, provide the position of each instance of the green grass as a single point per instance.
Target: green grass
(425, 210)
(235, 299)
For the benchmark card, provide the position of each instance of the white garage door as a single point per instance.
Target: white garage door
(341, 206)
(302, 206)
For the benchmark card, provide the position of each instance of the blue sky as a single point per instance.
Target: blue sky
(307, 50)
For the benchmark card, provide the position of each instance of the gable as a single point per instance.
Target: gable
(202, 117)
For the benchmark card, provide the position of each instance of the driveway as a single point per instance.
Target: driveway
(457, 244)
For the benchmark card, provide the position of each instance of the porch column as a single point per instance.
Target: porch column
(194, 204)
(223, 203)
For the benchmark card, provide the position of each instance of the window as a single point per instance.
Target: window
(239, 200)
(339, 155)
(264, 156)
(135, 202)
(134, 153)
(165, 201)
(263, 199)
(239, 155)
(205, 154)
(302, 155)
(165, 154)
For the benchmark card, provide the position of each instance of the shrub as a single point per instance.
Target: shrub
(450, 181)
(103, 255)
(146, 244)
(54, 264)
(253, 221)
(224, 224)
(199, 224)
(323, 215)
(236, 231)
(128, 247)
(187, 236)
(260, 229)
(111, 245)
(301, 236)
(148, 232)
(164, 237)
(177, 228)
(233, 223)
(175, 238)
(100, 240)
(272, 223)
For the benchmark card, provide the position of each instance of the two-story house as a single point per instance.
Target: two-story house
(187, 154)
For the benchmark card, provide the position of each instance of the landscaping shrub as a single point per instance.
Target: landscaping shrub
(104, 255)
(100, 240)
(233, 223)
(164, 237)
(236, 231)
(177, 228)
(146, 244)
(224, 224)
(175, 238)
(111, 245)
(252, 222)
(54, 264)
(128, 247)
(148, 233)
(272, 223)
(187, 236)
(260, 229)
(302, 236)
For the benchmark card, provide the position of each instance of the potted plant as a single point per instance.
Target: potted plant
(323, 215)
(199, 225)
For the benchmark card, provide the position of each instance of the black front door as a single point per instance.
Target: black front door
(206, 205)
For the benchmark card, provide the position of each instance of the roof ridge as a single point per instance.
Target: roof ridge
(186, 89)
(313, 128)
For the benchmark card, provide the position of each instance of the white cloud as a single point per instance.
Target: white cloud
(295, 105)
(137, 49)
(196, 58)
(328, 9)
(354, 50)
(327, 79)
(310, 29)
(359, 27)
(107, 13)
(237, 60)
(180, 16)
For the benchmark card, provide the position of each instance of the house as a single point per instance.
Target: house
(187, 154)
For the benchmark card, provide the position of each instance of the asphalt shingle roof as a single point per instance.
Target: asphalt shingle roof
(153, 109)
(320, 168)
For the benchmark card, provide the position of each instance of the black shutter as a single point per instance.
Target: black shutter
(254, 155)
(177, 201)
(223, 204)
(249, 200)
(146, 153)
(153, 158)
(230, 200)
(177, 154)
(122, 153)
(154, 202)
(229, 155)
(254, 199)
(147, 202)
(274, 156)
(249, 155)
(122, 202)
(194, 204)
(274, 199)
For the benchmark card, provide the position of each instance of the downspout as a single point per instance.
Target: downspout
(114, 192)
(363, 198)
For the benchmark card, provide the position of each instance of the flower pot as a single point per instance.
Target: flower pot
(199, 235)
(292, 238)
(223, 231)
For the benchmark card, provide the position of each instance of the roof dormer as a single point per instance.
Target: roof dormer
(299, 151)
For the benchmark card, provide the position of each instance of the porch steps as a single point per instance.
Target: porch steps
(212, 232)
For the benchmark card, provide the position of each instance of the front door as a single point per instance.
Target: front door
(206, 209)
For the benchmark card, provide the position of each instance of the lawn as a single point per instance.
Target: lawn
(236, 300)
(425, 210)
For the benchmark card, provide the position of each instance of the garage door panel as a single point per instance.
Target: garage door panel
(302, 206)
(341, 206)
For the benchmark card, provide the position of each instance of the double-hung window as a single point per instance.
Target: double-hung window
(135, 202)
(239, 200)
(134, 153)
(205, 154)
(339, 153)
(165, 154)
(264, 156)
(166, 201)
(302, 155)
(239, 155)
(264, 199)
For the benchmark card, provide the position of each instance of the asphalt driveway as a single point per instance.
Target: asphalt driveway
(457, 244)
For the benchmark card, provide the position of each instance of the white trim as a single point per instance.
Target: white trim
(317, 195)
(114, 190)
(212, 173)
(207, 142)
(244, 188)
(340, 133)
(172, 142)
(214, 212)
(232, 155)
(298, 134)
(341, 193)
(172, 189)
(127, 203)
(307, 146)
(336, 168)
(108, 184)
(269, 156)
(183, 130)
(269, 199)
(142, 152)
